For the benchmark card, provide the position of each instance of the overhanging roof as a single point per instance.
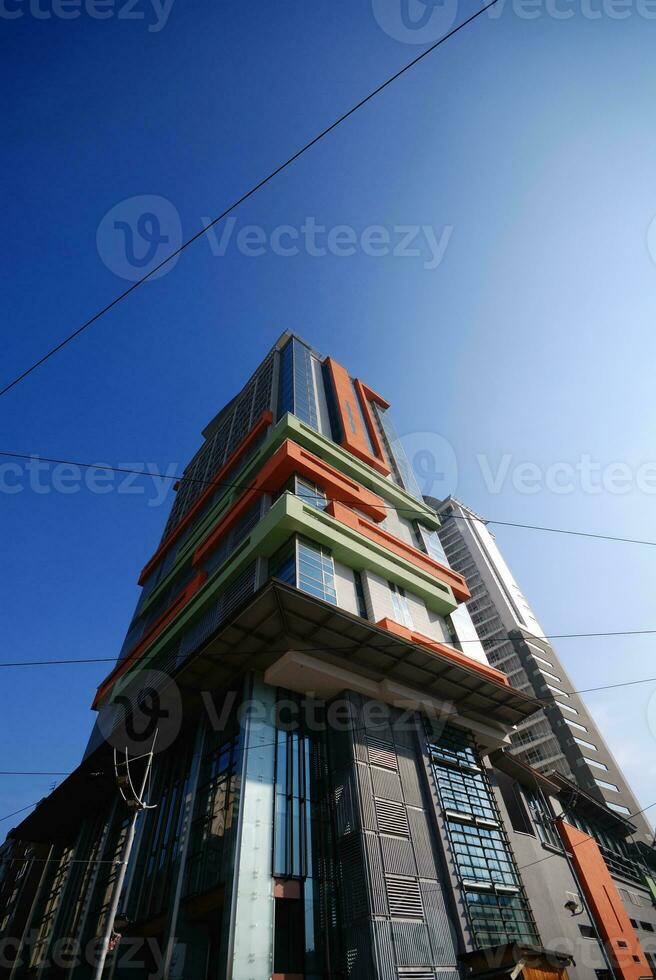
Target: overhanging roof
(282, 618)
(278, 619)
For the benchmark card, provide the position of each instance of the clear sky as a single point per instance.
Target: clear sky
(525, 149)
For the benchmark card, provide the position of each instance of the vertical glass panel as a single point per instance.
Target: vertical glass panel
(297, 389)
(360, 596)
(316, 572)
(253, 905)
(310, 493)
(400, 606)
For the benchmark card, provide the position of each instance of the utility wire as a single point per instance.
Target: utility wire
(155, 475)
(265, 180)
(586, 841)
(22, 810)
(27, 772)
(551, 636)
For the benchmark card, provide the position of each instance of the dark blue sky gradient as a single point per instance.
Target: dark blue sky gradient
(533, 139)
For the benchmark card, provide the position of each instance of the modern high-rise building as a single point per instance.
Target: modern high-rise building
(331, 792)
(562, 735)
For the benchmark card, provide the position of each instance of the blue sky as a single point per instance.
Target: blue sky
(525, 145)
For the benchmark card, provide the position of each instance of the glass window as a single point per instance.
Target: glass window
(310, 493)
(557, 690)
(360, 596)
(297, 389)
(282, 565)
(618, 808)
(429, 542)
(497, 907)
(316, 572)
(582, 741)
(566, 707)
(575, 724)
(605, 785)
(542, 818)
(292, 846)
(593, 762)
(400, 606)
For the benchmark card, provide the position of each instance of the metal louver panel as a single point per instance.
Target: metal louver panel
(232, 597)
(381, 754)
(404, 897)
(391, 817)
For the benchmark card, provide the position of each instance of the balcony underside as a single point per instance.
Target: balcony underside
(277, 620)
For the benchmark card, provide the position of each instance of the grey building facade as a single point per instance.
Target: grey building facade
(562, 736)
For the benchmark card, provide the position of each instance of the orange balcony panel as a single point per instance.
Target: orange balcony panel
(158, 627)
(605, 903)
(354, 433)
(264, 420)
(403, 550)
(446, 651)
(291, 458)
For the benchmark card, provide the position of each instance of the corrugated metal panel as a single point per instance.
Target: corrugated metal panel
(377, 890)
(422, 843)
(409, 778)
(345, 818)
(367, 811)
(411, 944)
(404, 897)
(386, 962)
(442, 932)
(398, 856)
(353, 894)
(387, 785)
(358, 952)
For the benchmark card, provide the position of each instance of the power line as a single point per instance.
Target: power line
(606, 687)
(550, 636)
(586, 841)
(156, 475)
(18, 772)
(265, 180)
(554, 530)
(22, 810)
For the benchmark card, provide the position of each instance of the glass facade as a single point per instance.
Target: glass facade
(429, 542)
(400, 606)
(308, 566)
(296, 392)
(542, 818)
(292, 851)
(617, 854)
(497, 907)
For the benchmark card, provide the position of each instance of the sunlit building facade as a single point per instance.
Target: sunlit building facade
(325, 724)
(561, 736)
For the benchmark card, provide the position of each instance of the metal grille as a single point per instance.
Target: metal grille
(229, 430)
(229, 600)
(404, 897)
(380, 754)
(391, 817)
